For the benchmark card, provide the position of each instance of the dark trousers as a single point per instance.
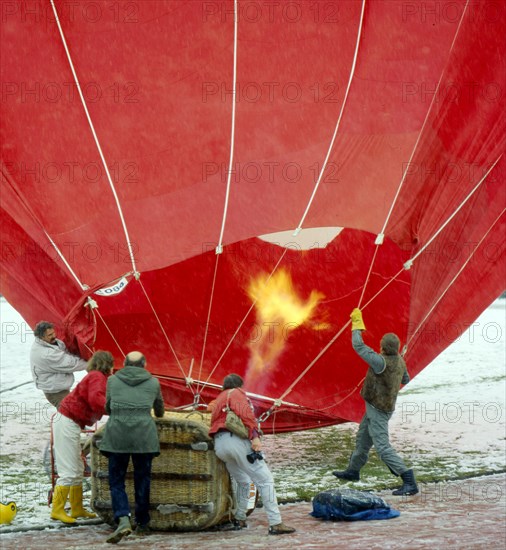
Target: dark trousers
(118, 464)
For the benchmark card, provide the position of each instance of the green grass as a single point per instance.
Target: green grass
(303, 471)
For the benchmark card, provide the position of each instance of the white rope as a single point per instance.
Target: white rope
(423, 125)
(368, 275)
(407, 266)
(211, 298)
(310, 366)
(110, 333)
(85, 107)
(62, 257)
(334, 338)
(410, 261)
(162, 329)
(219, 248)
(352, 72)
(464, 265)
(8, 179)
(243, 320)
(380, 237)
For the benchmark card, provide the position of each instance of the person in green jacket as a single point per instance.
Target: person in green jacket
(131, 432)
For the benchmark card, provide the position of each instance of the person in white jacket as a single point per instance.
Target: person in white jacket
(52, 365)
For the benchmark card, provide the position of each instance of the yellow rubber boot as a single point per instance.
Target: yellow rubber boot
(77, 509)
(61, 492)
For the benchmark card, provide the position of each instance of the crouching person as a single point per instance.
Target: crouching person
(243, 457)
(82, 407)
(131, 432)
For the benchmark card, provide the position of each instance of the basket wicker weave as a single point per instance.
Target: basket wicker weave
(190, 486)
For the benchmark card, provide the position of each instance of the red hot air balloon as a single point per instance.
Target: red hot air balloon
(219, 184)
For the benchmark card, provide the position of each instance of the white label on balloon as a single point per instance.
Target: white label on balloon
(114, 289)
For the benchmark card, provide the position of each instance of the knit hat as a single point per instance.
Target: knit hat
(390, 344)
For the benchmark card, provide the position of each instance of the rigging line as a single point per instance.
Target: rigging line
(32, 214)
(63, 259)
(92, 127)
(464, 265)
(380, 237)
(17, 386)
(406, 266)
(92, 305)
(163, 331)
(403, 179)
(94, 326)
(368, 275)
(349, 394)
(391, 280)
(352, 72)
(110, 332)
(454, 213)
(243, 320)
(331, 342)
(208, 318)
(312, 363)
(409, 263)
(219, 248)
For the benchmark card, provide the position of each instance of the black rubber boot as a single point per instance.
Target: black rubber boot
(348, 475)
(409, 486)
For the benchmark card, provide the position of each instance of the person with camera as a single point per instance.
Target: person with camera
(243, 457)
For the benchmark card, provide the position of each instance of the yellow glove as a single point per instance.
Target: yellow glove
(357, 323)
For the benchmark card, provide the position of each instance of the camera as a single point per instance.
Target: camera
(255, 455)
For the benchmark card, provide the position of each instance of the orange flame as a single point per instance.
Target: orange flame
(279, 311)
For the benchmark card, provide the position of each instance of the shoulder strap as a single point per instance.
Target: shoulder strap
(228, 398)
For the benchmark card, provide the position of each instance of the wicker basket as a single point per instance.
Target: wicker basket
(190, 486)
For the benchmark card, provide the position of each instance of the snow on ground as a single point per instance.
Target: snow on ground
(453, 413)
(457, 405)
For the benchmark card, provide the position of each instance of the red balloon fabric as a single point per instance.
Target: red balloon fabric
(233, 178)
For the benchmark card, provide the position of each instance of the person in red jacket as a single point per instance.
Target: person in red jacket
(242, 457)
(84, 406)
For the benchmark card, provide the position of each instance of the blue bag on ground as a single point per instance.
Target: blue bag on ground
(350, 505)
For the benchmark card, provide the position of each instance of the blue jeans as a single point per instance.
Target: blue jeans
(118, 464)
